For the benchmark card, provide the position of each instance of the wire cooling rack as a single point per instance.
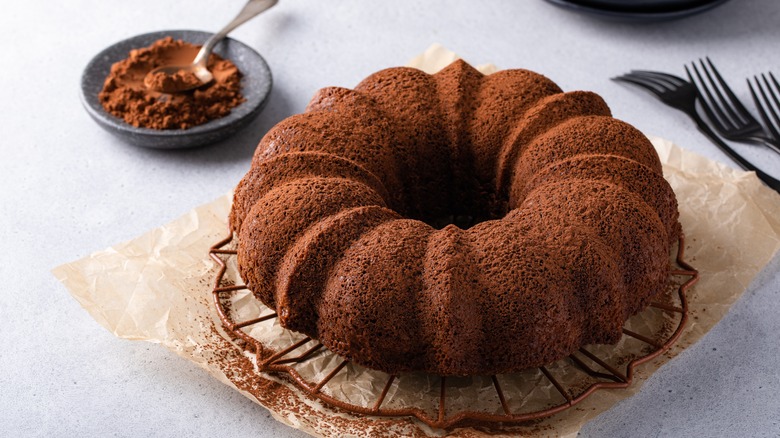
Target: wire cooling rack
(447, 402)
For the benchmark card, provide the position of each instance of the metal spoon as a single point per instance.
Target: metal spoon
(198, 67)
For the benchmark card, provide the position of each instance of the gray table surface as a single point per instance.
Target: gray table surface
(67, 189)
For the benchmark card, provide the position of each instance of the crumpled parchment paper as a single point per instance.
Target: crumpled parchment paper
(157, 288)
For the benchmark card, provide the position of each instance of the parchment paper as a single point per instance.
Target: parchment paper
(157, 288)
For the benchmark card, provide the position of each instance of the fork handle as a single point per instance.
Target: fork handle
(745, 164)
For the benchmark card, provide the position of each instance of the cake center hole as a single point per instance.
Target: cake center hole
(452, 194)
(461, 217)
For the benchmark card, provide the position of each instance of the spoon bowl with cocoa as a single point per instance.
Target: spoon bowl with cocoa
(179, 78)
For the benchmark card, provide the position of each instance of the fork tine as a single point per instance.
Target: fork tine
(768, 107)
(735, 102)
(709, 107)
(673, 80)
(724, 103)
(761, 106)
(726, 106)
(777, 87)
(642, 82)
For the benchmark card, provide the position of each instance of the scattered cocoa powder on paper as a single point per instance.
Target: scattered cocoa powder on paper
(124, 94)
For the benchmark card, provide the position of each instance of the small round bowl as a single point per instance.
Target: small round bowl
(255, 86)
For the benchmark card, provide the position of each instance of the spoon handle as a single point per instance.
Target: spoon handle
(250, 10)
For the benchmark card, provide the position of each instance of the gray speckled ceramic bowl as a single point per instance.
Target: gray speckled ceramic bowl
(256, 87)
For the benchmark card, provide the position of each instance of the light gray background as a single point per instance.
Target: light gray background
(67, 188)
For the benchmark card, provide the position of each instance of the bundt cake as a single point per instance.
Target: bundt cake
(455, 223)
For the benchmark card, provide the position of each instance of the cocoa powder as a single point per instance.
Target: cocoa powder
(175, 83)
(124, 94)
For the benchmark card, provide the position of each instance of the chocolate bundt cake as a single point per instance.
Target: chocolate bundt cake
(455, 223)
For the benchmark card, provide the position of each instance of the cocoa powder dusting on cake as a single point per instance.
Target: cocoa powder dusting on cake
(125, 95)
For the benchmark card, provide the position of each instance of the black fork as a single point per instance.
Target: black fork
(768, 113)
(682, 95)
(726, 113)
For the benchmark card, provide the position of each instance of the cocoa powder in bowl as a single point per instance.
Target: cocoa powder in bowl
(124, 94)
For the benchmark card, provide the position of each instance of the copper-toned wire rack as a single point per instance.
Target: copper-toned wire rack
(596, 371)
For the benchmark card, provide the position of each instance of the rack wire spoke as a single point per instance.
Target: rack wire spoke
(642, 338)
(330, 375)
(556, 383)
(253, 321)
(591, 372)
(442, 397)
(382, 396)
(287, 350)
(223, 289)
(500, 393)
(302, 357)
(684, 272)
(224, 251)
(667, 307)
(604, 365)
